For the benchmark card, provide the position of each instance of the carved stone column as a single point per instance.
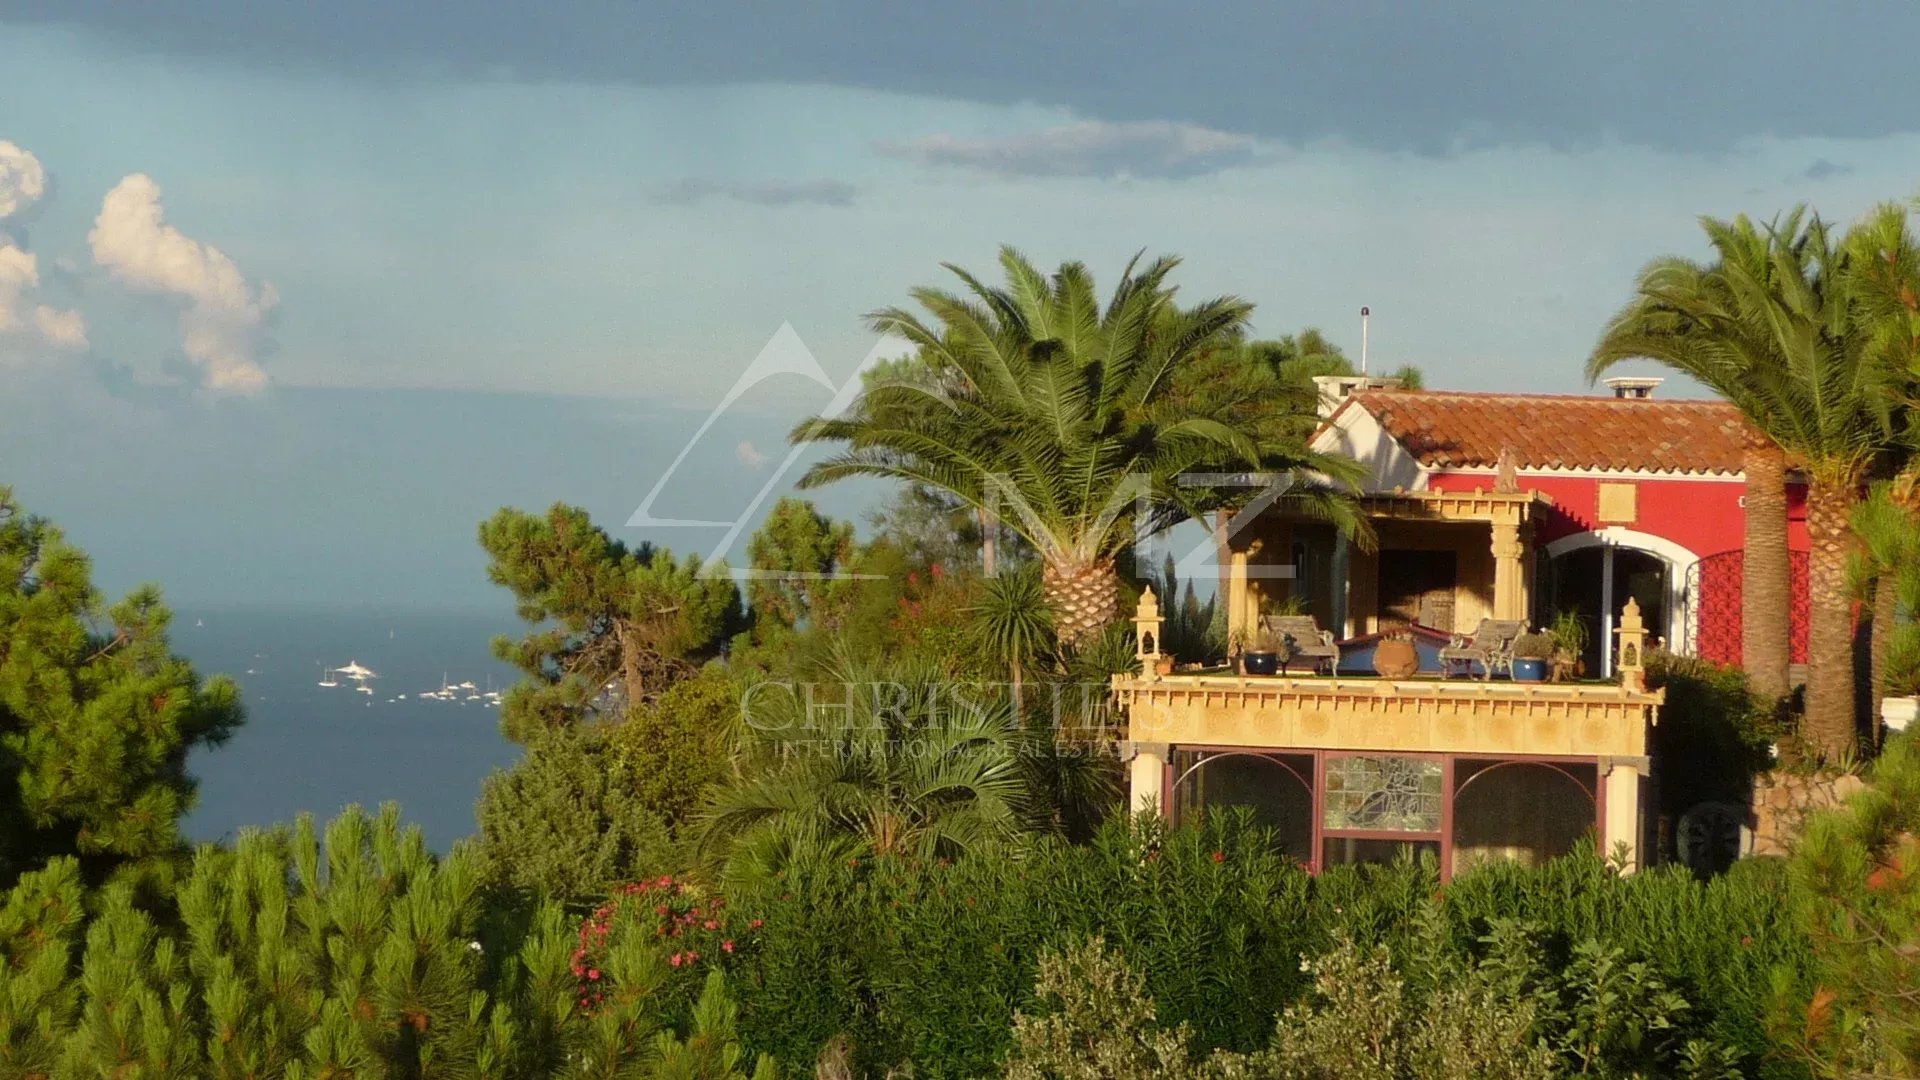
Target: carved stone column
(1509, 573)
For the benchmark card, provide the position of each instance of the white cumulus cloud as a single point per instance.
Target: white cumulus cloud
(750, 455)
(62, 329)
(25, 326)
(220, 327)
(1150, 148)
(22, 179)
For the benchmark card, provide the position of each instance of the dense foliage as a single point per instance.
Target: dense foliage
(928, 961)
(363, 957)
(569, 819)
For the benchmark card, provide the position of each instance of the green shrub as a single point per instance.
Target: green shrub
(1714, 733)
(569, 819)
(365, 957)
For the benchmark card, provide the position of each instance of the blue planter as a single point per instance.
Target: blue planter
(1261, 663)
(1529, 671)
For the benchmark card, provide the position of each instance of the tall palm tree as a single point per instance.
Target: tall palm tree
(1776, 326)
(1056, 415)
(1886, 261)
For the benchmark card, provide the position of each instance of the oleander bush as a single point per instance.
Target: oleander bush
(927, 963)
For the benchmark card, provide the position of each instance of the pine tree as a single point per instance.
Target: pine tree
(96, 713)
(1859, 867)
(605, 616)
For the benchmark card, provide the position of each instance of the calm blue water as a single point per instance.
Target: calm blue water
(305, 747)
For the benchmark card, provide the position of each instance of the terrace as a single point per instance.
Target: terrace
(1352, 769)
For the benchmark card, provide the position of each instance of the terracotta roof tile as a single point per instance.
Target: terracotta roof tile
(1448, 429)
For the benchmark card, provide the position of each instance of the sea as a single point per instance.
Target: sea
(306, 748)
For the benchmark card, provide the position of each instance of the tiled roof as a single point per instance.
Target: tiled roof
(1445, 429)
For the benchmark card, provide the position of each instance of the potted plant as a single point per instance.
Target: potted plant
(1530, 655)
(1263, 655)
(1569, 632)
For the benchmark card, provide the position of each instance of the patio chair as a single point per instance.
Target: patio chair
(1490, 646)
(1310, 643)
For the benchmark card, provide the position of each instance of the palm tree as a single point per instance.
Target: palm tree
(1776, 326)
(1055, 416)
(901, 765)
(1011, 624)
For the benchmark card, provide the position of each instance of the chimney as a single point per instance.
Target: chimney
(1633, 387)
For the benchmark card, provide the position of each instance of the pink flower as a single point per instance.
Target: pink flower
(756, 924)
(726, 946)
(1219, 856)
(593, 974)
(676, 960)
(710, 925)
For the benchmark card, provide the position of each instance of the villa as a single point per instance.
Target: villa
(1625, 509)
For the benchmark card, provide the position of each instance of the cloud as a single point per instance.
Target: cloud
(22, 179)
(220, 327)
(1151, 148)
(761, 193)
(1822, 169)
(62, 329)
(25, 328)
(750, 455)
(1385, 76)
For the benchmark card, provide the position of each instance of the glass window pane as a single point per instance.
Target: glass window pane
(1343, 850)
(1398, 794)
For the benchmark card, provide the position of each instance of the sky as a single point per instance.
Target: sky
(292, 296)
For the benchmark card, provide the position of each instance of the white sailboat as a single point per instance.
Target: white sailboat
(326, 677)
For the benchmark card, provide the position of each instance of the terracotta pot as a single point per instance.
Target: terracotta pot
(1395, 658)
(1164, 665)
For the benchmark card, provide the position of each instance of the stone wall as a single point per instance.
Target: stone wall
(1782, 804)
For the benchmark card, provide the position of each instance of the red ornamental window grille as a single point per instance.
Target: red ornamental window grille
(1717, 584)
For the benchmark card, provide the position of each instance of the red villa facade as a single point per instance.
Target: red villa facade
(1487, 510)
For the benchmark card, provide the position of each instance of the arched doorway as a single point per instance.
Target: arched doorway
(1595, 574)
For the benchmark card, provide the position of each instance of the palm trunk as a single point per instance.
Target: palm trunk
(1084, 596)
(1830, 687)
(1765, 601)
(1886, 609)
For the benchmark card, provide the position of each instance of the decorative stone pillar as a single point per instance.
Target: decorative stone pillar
(1146, 634)
(1631, 661)
(1509, 574)
(1620, 832)
(1239, 596)
(1146, 774)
